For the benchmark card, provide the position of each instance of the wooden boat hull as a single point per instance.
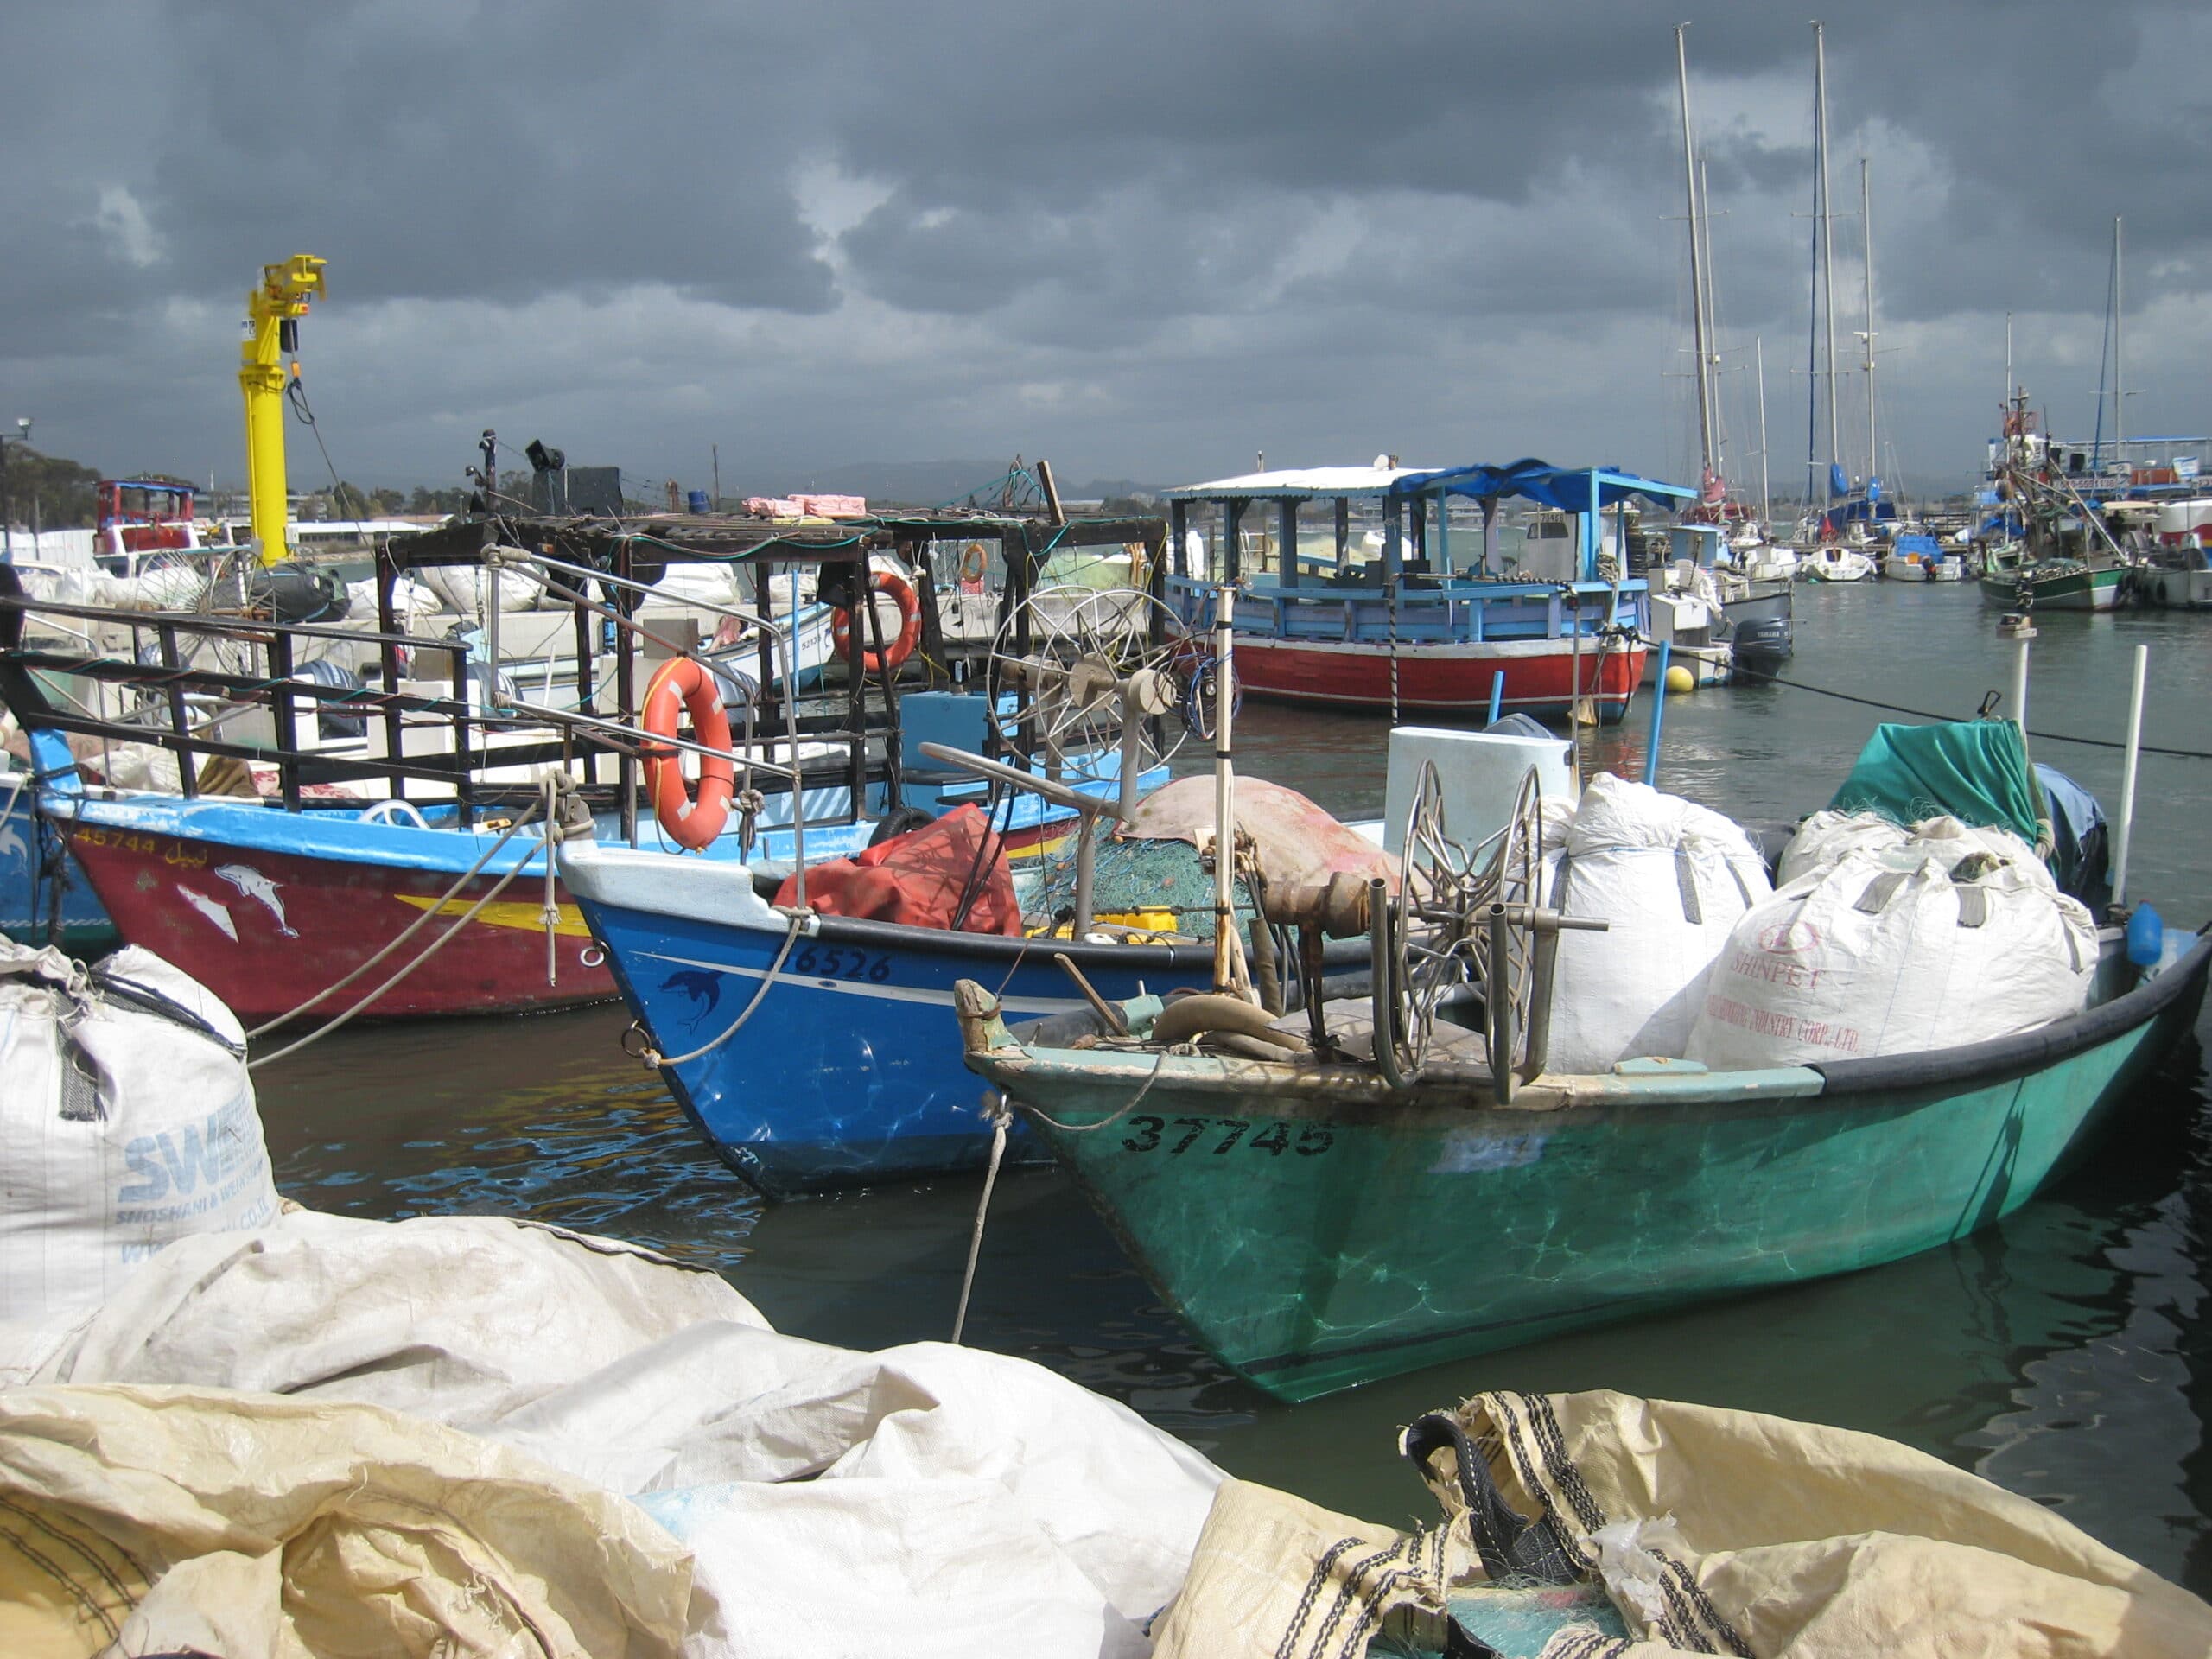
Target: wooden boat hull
(849, 1070)
(28, 887)
(1456, 678)
(1320, 1233)
(264, 928)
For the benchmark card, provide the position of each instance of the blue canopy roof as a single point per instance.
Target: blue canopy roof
(1564, 487)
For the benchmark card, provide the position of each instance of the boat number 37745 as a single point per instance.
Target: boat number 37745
(1180, 1134)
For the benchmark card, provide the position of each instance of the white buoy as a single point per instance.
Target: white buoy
(2127, 779)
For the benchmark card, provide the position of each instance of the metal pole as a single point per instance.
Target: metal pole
(1866, 225)
(1497, 694)
(2020, 691)
(1766, 500)
(1224, 792)
(1828, 217)
(1697, 265)
(2127, 835)
(1658, 716)
(2119, 352)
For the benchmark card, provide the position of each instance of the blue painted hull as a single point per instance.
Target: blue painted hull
(849, 1070)
(27, 884)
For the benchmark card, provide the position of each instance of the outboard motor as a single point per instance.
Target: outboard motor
(1761, 647)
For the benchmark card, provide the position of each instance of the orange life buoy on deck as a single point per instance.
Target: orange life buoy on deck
(695, 824)
(910, 623)
(974, 562)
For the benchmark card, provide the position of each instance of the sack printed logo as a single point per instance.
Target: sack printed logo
(1792, 938)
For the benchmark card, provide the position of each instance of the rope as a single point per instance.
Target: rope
(1151, 1077)
(652, 1057)
(995, 1108)
(2043, 737)
(432, 949)
(411, 930)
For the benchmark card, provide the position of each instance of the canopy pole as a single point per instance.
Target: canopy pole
(1497, 694)
(2127, 836)
(1658, 717)
(1224, 793)
(2020, 691)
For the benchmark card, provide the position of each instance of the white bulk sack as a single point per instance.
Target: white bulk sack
(467, 589)
(1885, 953)
(1827, 838)
(122, 1127)
(1671, 879)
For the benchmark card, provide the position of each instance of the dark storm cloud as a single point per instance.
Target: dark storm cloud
(1150, 237)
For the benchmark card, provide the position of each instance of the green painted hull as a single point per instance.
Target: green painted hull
(1317, 1232)
(2076, 590)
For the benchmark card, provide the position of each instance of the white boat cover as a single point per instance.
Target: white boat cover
(924, 1500)
(1711, 1531)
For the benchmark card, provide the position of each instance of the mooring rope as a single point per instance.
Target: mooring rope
(654, 1060)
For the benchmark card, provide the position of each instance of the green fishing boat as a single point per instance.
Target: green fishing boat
(1324, 1205)
(2055, 584)
(1316, 1228)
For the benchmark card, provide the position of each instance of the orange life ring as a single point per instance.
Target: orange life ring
(680, 680)
(910, 623)
(974, 562)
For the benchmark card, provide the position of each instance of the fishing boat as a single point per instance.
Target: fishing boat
(381, 817)
(1322, 1218)
(1411, 629)
(851, 1073)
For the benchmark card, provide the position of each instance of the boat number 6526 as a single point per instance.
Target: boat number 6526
(831, 962)
(1220, 1134)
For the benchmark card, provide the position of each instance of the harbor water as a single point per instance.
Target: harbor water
(2061, 1354)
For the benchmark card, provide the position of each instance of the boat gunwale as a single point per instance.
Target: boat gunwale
(1298, 1092)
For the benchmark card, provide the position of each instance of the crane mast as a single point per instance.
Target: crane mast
(272, 332)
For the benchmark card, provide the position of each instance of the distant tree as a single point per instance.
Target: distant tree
(58, 493)
(347, 501)
(388, 502)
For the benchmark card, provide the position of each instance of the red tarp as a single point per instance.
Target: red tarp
(916, 879)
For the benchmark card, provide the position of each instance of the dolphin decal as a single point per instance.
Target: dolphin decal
(254, 885)
(213, 910)
(705, 990)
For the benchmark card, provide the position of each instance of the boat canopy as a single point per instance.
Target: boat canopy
(1568, 489)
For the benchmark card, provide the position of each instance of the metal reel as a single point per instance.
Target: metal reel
(1463, 918)
(1102, 668)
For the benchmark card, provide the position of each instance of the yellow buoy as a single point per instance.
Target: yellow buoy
(1680, 678)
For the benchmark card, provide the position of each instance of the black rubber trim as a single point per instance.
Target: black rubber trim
(2027, 1051)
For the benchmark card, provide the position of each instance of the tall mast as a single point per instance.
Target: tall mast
(1697, 266)
(1712, 319)
(1866, 224)
(1766, 500)
(2119, 351)
(1826, 216)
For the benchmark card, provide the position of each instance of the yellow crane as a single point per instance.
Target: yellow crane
(272, 331)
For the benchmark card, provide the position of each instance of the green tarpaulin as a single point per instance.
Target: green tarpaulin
(1975, 771)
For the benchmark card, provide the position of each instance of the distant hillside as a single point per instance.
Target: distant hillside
(924, 483)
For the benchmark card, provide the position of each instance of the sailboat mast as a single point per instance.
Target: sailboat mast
(1712, 323)
(2119, 351)
(1866, 224)
(1766, 500)
(1826, 216)
(1697, 265)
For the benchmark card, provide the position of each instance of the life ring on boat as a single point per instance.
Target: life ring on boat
(694, 824)
(974, 560)
(910, 623)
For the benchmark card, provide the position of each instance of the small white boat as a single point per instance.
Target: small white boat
(1833, 563)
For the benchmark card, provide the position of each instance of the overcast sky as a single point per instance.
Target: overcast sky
(1144, 239)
